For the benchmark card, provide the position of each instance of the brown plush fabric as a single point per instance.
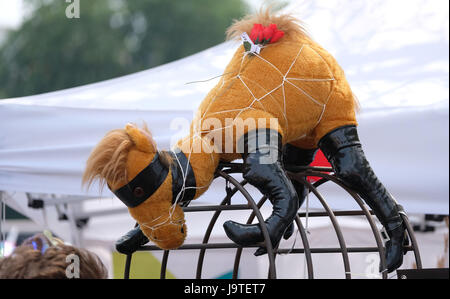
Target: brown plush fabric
(293, 86)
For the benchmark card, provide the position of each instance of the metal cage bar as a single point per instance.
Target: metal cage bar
(336, 227)
(364, 211)
(225, 203)
(299, 174)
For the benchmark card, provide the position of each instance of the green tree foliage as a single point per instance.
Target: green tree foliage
(110, 39)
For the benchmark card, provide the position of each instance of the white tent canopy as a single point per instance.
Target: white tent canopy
(51, 135)
(396, 59)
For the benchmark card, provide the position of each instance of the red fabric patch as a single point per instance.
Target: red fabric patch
(319, 161)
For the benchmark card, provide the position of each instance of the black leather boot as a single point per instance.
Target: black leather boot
(131, 241)
(343, 150)
(294, 156)
(263, 169)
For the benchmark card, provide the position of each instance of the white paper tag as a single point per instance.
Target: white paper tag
(253, 48)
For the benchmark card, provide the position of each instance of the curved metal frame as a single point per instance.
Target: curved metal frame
(300, 174)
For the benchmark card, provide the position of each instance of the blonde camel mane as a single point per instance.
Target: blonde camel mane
(285, 22)
(108, 160)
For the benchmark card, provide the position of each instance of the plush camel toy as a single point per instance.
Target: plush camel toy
(281, 98)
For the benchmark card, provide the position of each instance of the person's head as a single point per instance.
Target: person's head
(42, 258)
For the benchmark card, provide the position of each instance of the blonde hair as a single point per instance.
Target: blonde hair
(28, 263)
(108, 160)
(265, 16)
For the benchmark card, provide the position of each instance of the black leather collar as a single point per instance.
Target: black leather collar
(151, 178)
(179, 167)
(144, 184)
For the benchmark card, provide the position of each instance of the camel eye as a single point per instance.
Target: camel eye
(138, 192)
(182, 230)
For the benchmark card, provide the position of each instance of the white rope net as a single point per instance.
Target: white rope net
(267, 98)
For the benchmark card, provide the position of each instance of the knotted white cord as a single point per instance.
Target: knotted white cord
(198, 131)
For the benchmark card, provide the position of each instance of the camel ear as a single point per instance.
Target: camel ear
(142, 139)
